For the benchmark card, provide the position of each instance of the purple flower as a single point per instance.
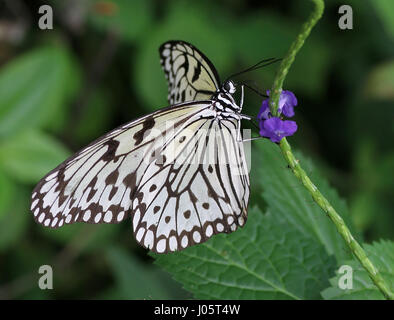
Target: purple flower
(287, 102)
(275, 128)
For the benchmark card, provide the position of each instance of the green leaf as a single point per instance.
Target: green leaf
(7, 192)
(370, 204)
(14, 219)
(34, 87)
(31, 154)
(128, 18)
(86, 237)
(381, 255)
(267, 259)
(289, 201)
(385, 9)
(96, 115)
(134, 280)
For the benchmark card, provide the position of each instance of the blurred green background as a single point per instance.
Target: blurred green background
(99, 67)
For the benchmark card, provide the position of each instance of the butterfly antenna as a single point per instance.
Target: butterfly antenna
(258, 65)
(255, 90)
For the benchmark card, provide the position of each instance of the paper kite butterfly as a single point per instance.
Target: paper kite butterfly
(179, 173)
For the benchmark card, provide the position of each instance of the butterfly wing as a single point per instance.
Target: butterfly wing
(202, 188)
(98, 183)
(179, 173)
(190, 74)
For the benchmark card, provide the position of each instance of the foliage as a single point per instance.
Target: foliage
(268, 259)
(99, 68)
(382, 256)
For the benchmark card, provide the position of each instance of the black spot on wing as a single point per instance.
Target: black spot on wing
(156, 209)
(110, 153)
(130, 182)
(197, 72)
(112, 177)
(186, 214)
(147, 125)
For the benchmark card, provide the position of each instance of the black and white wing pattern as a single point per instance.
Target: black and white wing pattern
(202, 188)
(178, 173)
(190, 74)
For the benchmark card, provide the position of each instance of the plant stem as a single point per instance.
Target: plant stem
(289, 58)
(340, 225)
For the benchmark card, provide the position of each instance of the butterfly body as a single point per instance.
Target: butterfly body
(179, 173)
(224, 101)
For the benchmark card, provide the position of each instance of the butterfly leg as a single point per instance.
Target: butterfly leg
(239, 139)
(248, 139)
(241, 102)
(244, 116)
(252, 139)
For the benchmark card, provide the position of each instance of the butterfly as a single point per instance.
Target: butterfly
(179, 173)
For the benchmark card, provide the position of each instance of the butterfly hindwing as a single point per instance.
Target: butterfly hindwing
(190, 74)
(199, 192)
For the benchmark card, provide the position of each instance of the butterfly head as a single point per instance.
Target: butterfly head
(229, 87)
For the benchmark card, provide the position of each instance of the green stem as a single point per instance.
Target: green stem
(290, 56)
(336, 219)
(340, 225)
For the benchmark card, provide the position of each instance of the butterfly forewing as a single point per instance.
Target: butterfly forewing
(98, 183)
(190, 74)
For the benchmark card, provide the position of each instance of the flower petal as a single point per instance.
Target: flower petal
(287, 102)
(275, 128)
(290, 127)
(264, 111)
